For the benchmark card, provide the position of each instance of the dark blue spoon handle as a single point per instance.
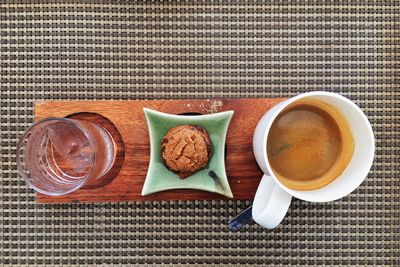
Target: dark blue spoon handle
(241, 219)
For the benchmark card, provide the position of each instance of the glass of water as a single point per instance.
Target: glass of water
(57, 156)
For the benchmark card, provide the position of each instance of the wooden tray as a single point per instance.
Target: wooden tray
(128, 117)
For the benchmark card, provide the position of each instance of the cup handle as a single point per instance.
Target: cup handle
(271, 203)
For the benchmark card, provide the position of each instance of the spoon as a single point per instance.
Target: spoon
(240, 220)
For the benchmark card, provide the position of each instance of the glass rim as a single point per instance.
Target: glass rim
(34, 125)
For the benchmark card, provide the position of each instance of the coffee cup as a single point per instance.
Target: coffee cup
(273, 197)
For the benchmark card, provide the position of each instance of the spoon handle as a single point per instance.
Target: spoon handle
(241, 219)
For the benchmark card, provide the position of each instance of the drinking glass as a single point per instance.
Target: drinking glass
(57, 156)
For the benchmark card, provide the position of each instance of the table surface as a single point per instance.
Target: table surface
(180, 50)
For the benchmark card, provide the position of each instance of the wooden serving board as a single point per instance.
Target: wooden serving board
(128, 117)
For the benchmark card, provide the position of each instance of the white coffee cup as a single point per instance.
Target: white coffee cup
(272, 199)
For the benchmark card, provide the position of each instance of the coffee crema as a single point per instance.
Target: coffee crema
(309, 145)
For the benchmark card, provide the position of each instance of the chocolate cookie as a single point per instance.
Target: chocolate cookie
(186, 149)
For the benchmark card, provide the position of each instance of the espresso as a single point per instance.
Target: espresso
(309, 145)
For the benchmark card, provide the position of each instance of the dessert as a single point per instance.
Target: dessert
(186, 149)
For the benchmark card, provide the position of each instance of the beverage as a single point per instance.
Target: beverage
(58, 156)
(317, 146)
(309, 145)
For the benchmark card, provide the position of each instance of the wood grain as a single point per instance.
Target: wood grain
(128, 117)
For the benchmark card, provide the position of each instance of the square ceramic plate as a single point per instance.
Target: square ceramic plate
(212, 178)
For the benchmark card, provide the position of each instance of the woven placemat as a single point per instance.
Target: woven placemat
(169, 49)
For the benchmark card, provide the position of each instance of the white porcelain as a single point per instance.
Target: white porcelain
(272, 199)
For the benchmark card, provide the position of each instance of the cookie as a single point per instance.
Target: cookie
(186, 149)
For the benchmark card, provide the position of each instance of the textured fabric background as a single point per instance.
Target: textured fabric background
(172, 49)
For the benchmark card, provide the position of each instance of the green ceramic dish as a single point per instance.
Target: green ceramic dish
(212, 178)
